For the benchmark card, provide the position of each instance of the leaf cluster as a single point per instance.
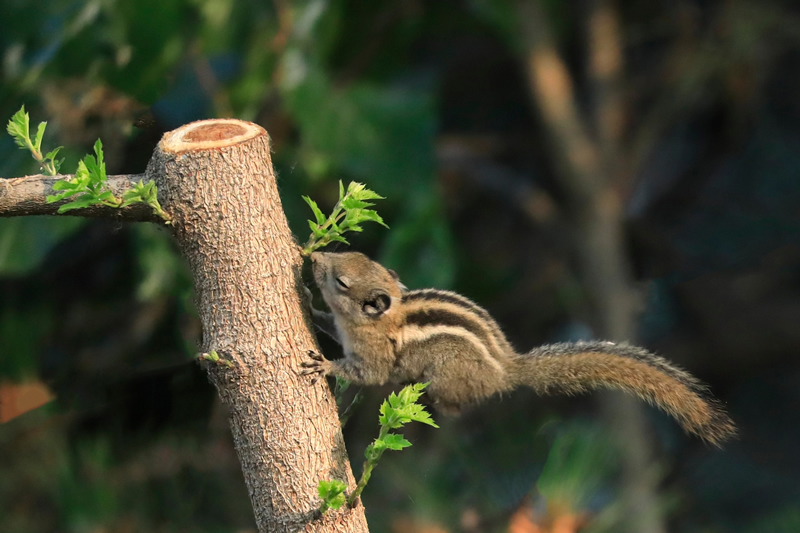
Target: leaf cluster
(89, 186)
(348, 214)
(395, 412)
(19, 128)
(332, 494)
(400, 409)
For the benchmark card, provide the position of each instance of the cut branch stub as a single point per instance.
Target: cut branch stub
(215, 178)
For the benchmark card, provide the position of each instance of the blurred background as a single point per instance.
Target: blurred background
(583, 169)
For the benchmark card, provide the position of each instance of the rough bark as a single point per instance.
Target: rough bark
(216, 180)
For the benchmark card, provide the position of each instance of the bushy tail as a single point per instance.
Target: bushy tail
(574, 368)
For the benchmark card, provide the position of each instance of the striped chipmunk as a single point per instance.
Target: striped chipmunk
(389, 333)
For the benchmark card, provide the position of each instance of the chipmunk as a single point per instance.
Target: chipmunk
(389, 333)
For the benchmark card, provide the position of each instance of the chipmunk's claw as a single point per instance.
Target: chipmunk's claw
(317, 367)
(316, 356)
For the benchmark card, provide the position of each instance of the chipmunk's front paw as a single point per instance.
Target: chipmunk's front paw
(309, 297)
(318, 366)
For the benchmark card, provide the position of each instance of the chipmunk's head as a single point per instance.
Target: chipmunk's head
(355, 287)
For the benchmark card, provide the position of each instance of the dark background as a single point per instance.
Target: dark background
(428, 103)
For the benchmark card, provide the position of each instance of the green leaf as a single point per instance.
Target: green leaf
(352, 216)
(65, 185)
(354, 188)
(82, 173)
(108, 196)
(373, 216)
(51, 155)
(84, 200)
(18, 127)
(95, 166)
(423, 417)
(359, 191)
(37, 143)
(138, 191)
(59, 197)
(130, 201)
(338, 238)
(315, 208)
(355, 203)
(366, 194)
(392, 441)
(408, 395)
(92, 169)
(98, 149)
(388, 416)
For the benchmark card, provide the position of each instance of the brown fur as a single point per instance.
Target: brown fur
(579, 367)
(391, 334)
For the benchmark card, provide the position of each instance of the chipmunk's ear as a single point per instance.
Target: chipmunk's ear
(377, 304)
(397, 279)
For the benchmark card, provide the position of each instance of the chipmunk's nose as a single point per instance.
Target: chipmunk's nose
(318, 258)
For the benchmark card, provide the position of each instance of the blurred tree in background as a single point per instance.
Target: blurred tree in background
(478, 120)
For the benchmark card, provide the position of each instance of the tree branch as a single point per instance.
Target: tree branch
(585, 166)
(552, 89)
(605, 76)
(28, 196)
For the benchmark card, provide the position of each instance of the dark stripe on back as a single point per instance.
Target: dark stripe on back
(431, 342)
(441, 296)
(442, 317)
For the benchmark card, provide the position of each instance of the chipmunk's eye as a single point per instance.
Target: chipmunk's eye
(343, 283)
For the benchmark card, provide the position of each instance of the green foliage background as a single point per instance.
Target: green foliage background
(426, 103)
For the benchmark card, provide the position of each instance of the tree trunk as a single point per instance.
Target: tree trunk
(587, 168)
(216, 180)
